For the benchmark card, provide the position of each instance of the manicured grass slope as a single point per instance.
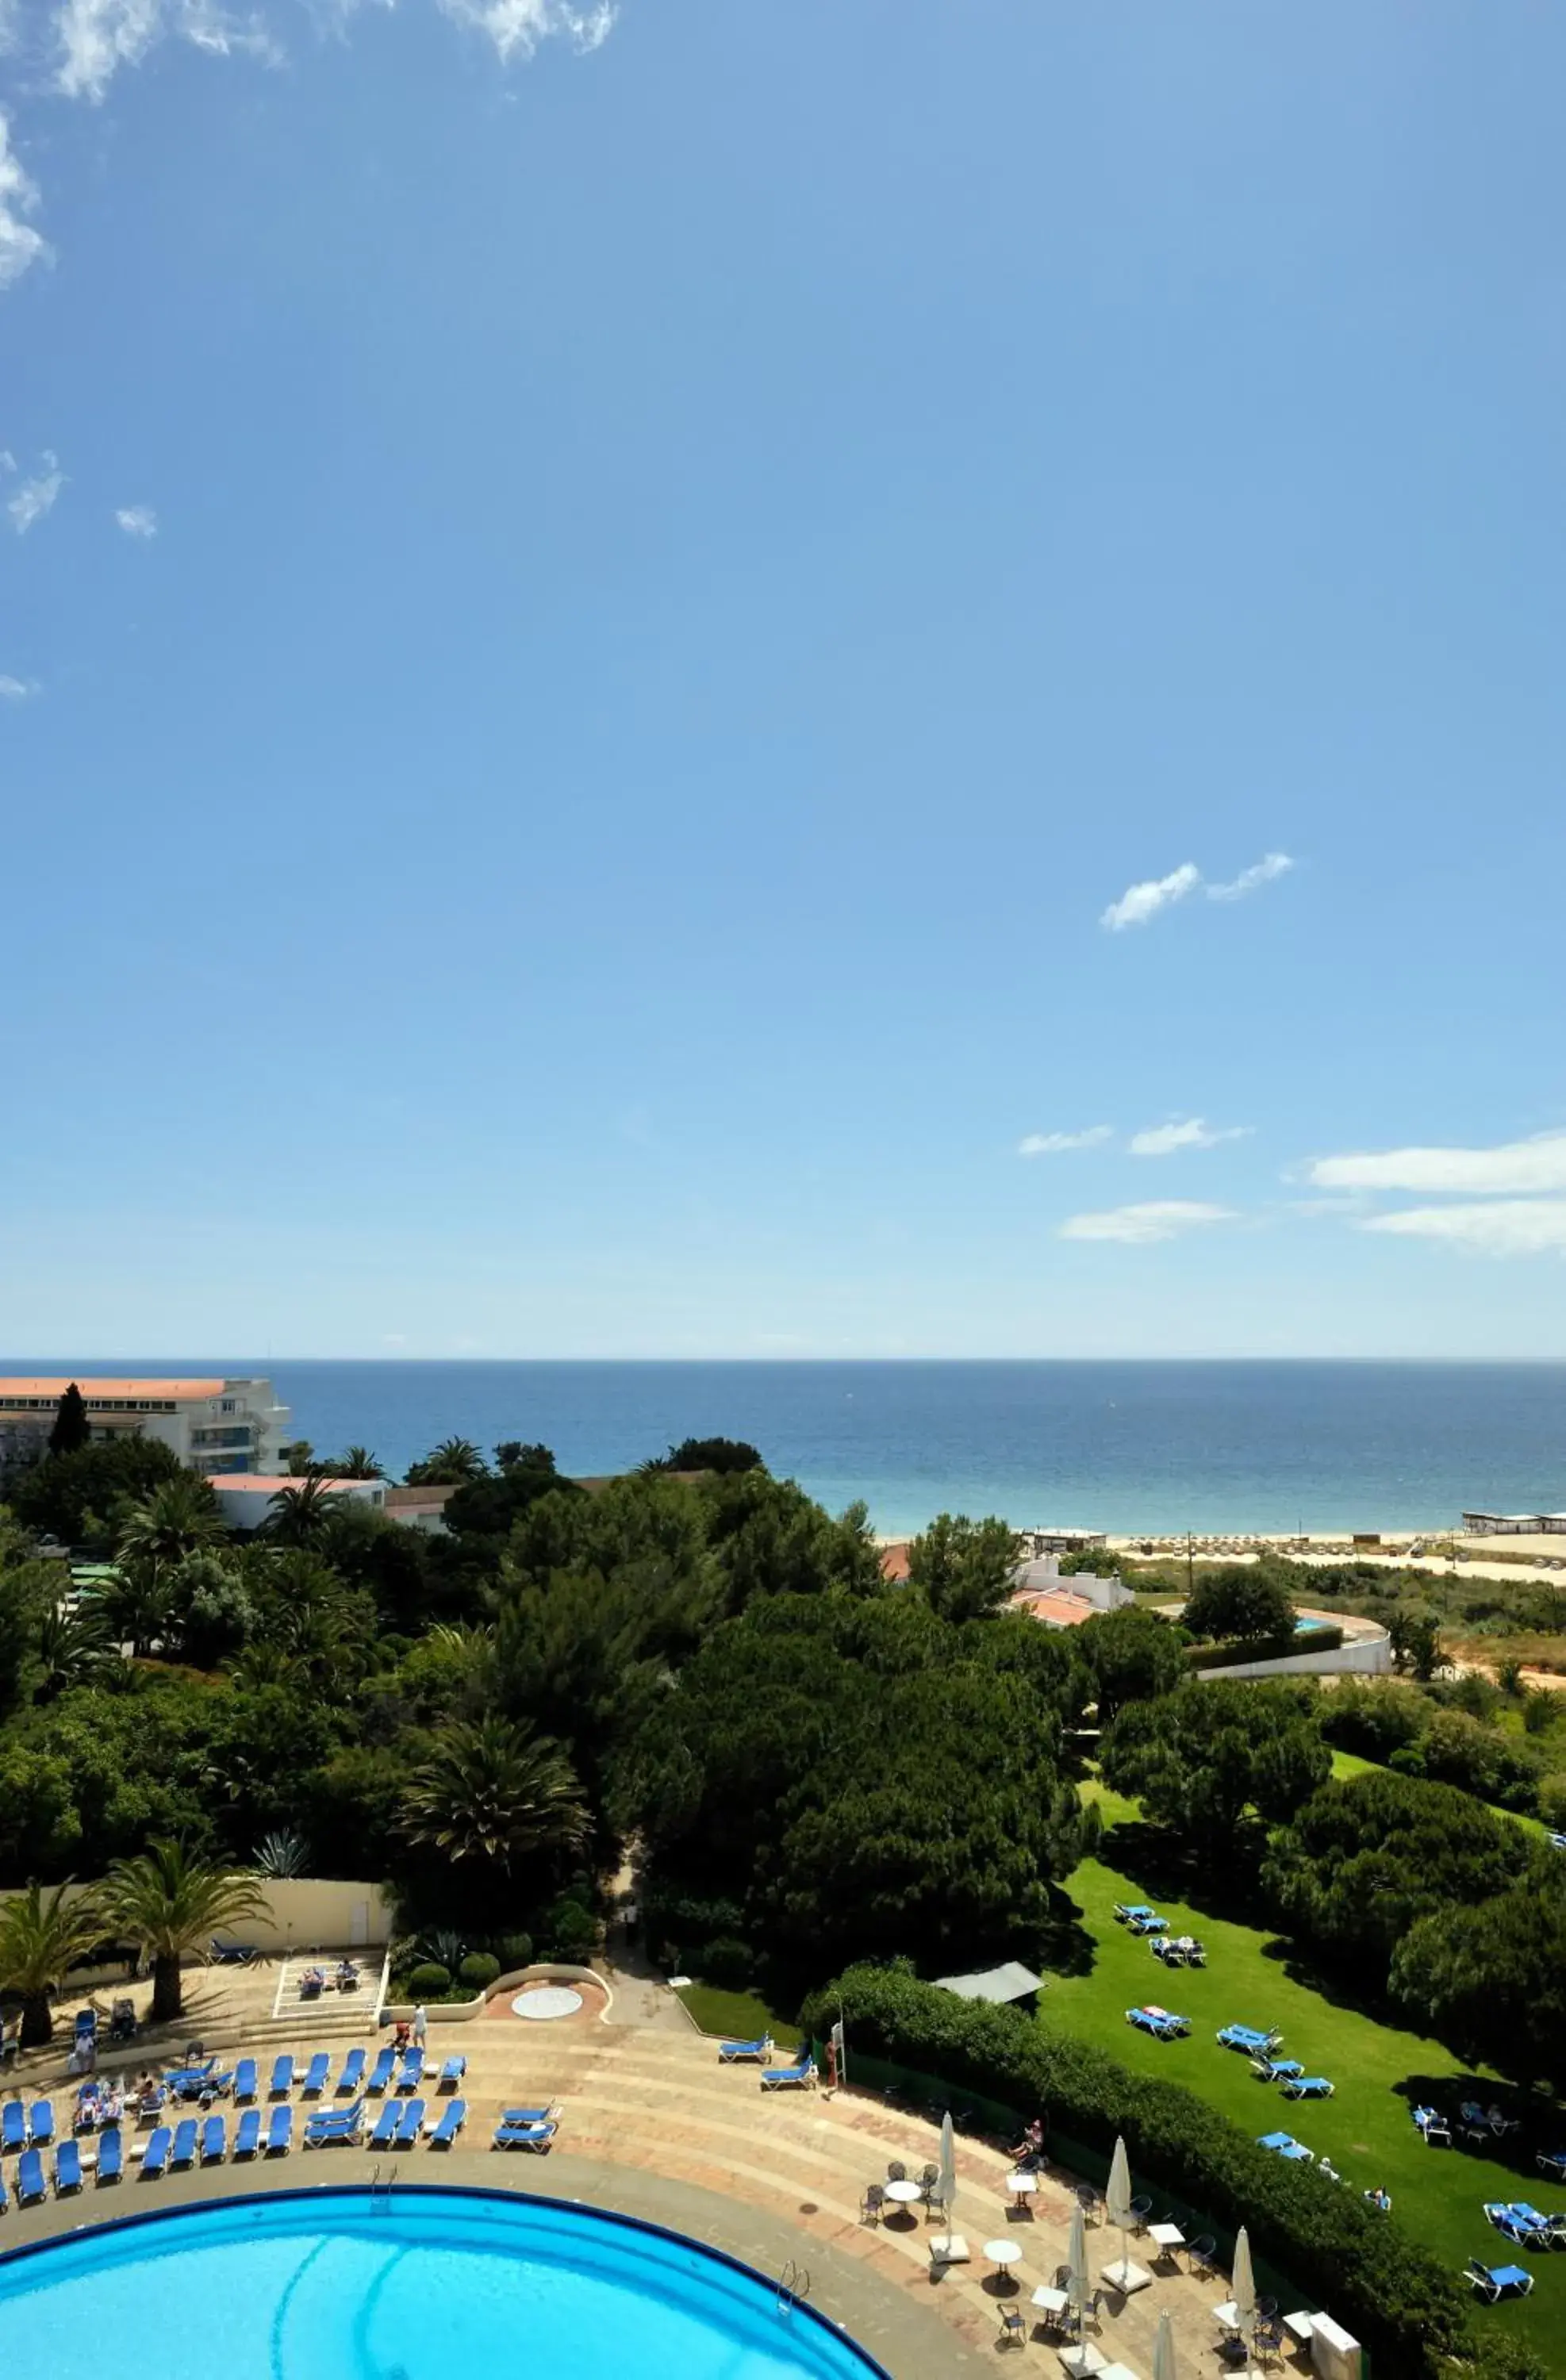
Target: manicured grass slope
(1349, 1764)
(737, 2015)
(1366, 2129)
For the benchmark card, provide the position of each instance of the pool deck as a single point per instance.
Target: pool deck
(653, 2126)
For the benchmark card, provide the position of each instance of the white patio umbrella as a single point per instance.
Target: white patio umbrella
(1076, 2258)
(946, 2179)
(1117, 2207)
(1163, 2349)
(1243, 2290)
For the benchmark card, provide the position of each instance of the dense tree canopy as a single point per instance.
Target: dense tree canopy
(1489, 1976)
(1241, 1603)
(1216, 1759)
(78, 1498)
(1368, 1856)
(964, 1568)
(1133, 1656)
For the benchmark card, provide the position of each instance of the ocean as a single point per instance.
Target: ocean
(1124, 1447)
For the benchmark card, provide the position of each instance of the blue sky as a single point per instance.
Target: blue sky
(598, 615)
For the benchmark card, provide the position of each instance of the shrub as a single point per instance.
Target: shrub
(1374, 1720)
(726, 1963)
(1394, 2295)
(1552, 1800)
(427, 1983)
(573, 1930)
(480, 1970)
(516, 1950)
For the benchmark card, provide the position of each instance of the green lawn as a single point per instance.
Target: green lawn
(1366, 2129)
(737, 2015)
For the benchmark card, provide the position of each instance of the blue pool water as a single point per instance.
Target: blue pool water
(430, 2285)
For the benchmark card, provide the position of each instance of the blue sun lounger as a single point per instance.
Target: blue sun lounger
(1285, 2145)
(781, 2078)
(452, 2074)
(350, 2082)
(1246, 2037)
(215, 2141)
(1506, 2220)
(111, 2154)
(386, 2123)
(30, 2185)
(412, 2116)
(411, 2073)
(1308, 2087)
(244, 2081)
(1162, 2023)
(184, 2151)
(281, 2075)
(67, 2167)
(233, 1954)
(333, 2127)
(280, 2131)
(731, 2053)
(1493, 2281)
(385, 2066)
(154, 2158)
(247, 2133)
(13, 2127)
(316, 2073)
(4, 2195)
(1549, 2228)
(520, 2118)
(525, 2136)
(41, 2123)
(453, 2114)
(1126, 1910)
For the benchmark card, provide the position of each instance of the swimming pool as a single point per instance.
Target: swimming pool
(332, 2284)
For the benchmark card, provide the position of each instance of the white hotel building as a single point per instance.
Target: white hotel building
(215, 1427)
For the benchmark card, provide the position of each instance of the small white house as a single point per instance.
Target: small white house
(246, 1499)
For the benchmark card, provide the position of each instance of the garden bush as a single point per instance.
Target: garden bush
(727, 1964)
(573, 1931)
(516, 1950)
(427, 1983)
(479, 1969)
(1394, 2296)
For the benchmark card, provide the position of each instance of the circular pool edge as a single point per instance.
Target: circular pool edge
(310, 2193)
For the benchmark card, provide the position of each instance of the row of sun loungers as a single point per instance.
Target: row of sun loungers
(1524, 2225)
(402, 2070)
(800, 2075)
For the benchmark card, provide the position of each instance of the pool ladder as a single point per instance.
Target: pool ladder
(380, 2191)
(793, 2286)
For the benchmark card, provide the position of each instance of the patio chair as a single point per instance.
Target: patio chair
(1202, 2254)
(1014, 2327)
(897, 2170)
(874, 2204)
(1141, 2210)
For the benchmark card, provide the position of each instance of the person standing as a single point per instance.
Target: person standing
(420, 2024)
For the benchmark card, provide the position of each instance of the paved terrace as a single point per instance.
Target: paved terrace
(653, 2126)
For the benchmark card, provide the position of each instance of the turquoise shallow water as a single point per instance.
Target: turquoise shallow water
(432, 2285)
(1117, 1446)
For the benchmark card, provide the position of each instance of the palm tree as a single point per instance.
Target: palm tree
(300, 1515)
(495, 1792)
(40, 1939)
(359, 1463)
(73, 1644)
(451, 1464)
(180, 1515)
(171, 1903)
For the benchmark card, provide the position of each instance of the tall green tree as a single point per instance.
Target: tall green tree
(1489, 1976)
(965, 1568)
(1243, 1602)
(497, 1796)
(1217, 1760)
(71, 1426)
(1133, 1656)
(180, 1515)
(451, 1464)
(40, 1939)
(301, 1515)
(172, 1904)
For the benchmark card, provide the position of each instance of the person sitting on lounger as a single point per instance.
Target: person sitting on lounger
(1380, 2199)
(1030, 2150)
(348, 1975)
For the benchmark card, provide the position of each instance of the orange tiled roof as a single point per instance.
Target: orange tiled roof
(895, 1563)
(260, 1483)
(179, 1390)
(1056, 1610)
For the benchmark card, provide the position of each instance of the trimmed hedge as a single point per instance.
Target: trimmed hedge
(1399, 2301)
(1325, 1639)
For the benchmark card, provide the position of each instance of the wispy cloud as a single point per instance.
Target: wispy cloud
(1520, 1166)
(1164, 1139)
(519, 27)
(21, 244)
(138, 520)
(18, 689)
(95, 38)
(1140, 903)
(1502, 1227)
(36, 496)
(1049, 1144)
(1155, 1218)
(1250, 880)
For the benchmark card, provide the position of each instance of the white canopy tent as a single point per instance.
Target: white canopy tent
(996, 1985)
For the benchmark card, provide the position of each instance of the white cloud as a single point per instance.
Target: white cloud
(1505, 1227)
(17, 689)
(96, 37)
(138, 520)
(20, 243)
(1163, 1139)
(1047, 1143)
(517, 26)
(1521, 1167)
(1266, 872)
(1140, 902)
(36, 496)
(1157, 1219)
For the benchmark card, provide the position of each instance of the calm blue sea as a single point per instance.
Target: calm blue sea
(1116, 1446)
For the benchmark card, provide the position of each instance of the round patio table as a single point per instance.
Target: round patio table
(1003, 2253)
(904, 2193)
